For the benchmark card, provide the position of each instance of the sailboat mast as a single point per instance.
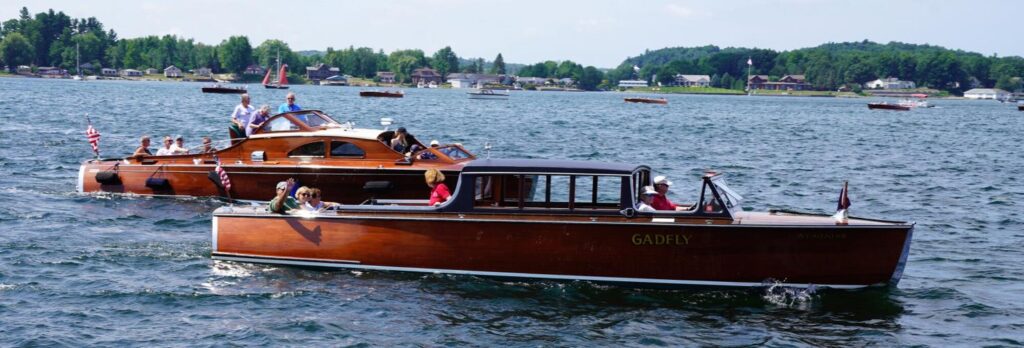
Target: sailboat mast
(78, 60)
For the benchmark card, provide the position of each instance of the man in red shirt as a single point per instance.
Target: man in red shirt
(661, 201)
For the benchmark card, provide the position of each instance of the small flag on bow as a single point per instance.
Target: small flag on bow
(224, 180)
(750, 61)
(94, 138)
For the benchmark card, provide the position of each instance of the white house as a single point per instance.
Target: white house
(693, 80)
(152, 71)
(460, 80)
(632, 83)
(108, 72)
(172, 72)
(536, 81)
(987, 93)
(131, 73)
(890, 83)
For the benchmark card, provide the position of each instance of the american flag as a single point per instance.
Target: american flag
(94, 138)
(224, 180)
(844, 198)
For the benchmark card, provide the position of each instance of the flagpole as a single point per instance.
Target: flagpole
(750, 64)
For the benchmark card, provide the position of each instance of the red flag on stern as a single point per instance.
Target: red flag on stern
(842, 215)
(224, 180)
(94, 139)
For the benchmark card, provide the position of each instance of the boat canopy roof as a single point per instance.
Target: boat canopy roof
(550, 167)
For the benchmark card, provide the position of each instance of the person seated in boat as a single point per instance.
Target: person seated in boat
(661, 201)
(179, 147)
(302, 197)
(434, 144)
(400, 142)
(282, 202)
(241, 117)
(439, 191)
(315, 203)
(258, 119)
(167, 149)
(143, 149)
(646, 199)
(208, 145)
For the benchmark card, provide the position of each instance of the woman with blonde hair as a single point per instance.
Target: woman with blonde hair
(439, 191)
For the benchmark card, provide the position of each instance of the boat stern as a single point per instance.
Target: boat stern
(80, 184)
(897, 273)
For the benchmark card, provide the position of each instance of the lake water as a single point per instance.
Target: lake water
(80, 270)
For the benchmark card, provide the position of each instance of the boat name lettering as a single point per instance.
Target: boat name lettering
(821, 235)
(660, 239)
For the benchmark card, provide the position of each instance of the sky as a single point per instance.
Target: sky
(600, 33)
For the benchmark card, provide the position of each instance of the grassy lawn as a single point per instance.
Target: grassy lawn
(685, 90)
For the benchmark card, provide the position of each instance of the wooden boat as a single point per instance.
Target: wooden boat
(887, 106)
(223, 89)
(577, 221)
(487, 94)
(382, 94)
(348, 164)
(647, 100)
(282, 76)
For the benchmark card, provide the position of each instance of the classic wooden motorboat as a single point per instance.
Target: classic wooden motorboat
(224, 89)
(647, 100)
(348, 164)
(487, 94)
(888, 106)
(573, 220)
(382, 94)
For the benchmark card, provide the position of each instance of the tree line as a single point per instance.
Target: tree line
(831, 66)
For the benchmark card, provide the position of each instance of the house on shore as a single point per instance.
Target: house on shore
(172, 72)
(85, 68)
(24, 69)
(987, 93)
(786, 83)
(463, 80)
(890, 83)
(52, 72)
(130, 73)
(425, 76)
(254, 69)
(536, 81)
(632, 83)
(321, 71)
(152, 71)
(386, 77)
(109, 72)
(693, 80)
(202, 72)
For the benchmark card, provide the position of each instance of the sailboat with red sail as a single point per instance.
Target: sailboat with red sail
(282, 78)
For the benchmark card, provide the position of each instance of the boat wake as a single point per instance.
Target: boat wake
(780, 294)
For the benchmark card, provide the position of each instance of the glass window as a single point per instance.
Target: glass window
(346, 149)
(309, 150)
(314, 120)
(280, 124)
(453, 152)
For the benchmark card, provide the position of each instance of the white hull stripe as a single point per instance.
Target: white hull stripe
(652, 281)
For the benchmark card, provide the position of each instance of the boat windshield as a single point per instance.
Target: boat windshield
(730, 198)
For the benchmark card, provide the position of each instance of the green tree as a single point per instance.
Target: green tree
(16, 50)
(589, 78)
(499, 65)
(445, 61)
(235, 54)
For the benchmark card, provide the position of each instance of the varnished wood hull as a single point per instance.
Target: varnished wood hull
(223, 90)
(381, 94)
(604, 249)
(885, 106)
(254, 182)
(646, 100)
(275, 87)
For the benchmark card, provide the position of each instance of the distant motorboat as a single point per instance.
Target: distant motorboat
(647, 100)
(888, 106)
(76, 78)
(487, 94)
(1020, 107)
(382, 94)
(224, 89)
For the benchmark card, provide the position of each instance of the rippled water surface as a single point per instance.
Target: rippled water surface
(99, 270)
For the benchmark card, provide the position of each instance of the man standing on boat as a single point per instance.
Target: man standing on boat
(661, 201)
(289, 105)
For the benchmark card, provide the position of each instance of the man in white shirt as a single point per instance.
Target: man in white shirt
(166, 150)
(646, 197)
(179, 146)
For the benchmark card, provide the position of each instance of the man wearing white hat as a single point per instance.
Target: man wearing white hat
(661, 201)
(646, 198)
(282, 202)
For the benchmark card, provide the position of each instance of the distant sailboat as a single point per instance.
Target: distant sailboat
(282, 78)
(78, 64)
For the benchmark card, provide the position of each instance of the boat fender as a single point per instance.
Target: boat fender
(108, 177)
(157, 183)
(377, 186)
(628, 212)
(213, 176)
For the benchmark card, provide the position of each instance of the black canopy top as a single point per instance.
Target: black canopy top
(543, 166)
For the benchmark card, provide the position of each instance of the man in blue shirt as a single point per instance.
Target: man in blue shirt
(290, 105)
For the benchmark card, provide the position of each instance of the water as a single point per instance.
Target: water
(98, 270)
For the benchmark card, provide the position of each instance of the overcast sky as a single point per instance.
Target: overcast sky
(599, 33)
